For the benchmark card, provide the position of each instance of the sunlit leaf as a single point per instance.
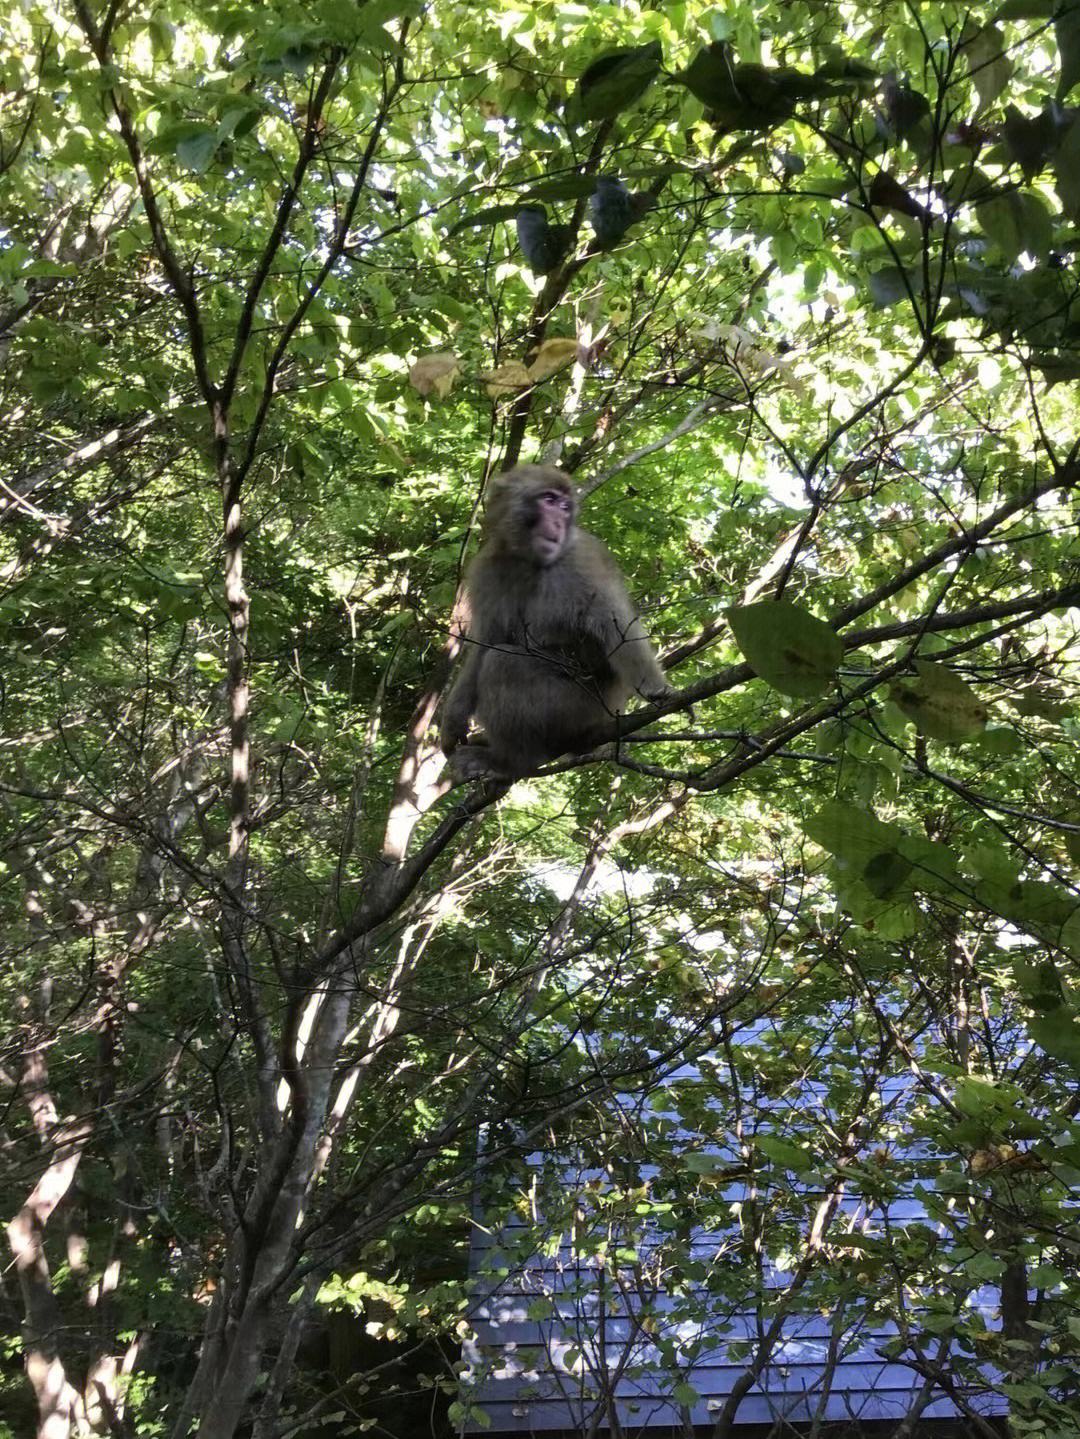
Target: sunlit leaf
(553, 355)
(434, 374)
(790, 649)
(990, 66)
(195, 152)
(1017, 221)
(783, 1153)
(941, 704)
(855, 836)
(506, 379)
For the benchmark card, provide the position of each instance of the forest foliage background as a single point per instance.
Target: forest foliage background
(810, 347)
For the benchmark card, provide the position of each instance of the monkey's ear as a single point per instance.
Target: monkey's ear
(497, 488)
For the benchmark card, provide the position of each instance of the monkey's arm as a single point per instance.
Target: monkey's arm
(461, 702)
(625, 640)
(634, 660)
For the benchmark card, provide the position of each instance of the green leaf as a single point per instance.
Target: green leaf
(978, 1097)
(195, 152)
(49, 269)
(994, 862)
(748, 96)
(238, 121)
(492, 216)
(1031, 140)
(842, 67)
(1044, 906)
(1000, 741)
(1039, 982)
(710, 77)
(1067, 30)
(618, 79)
(1017, 221)
(695, 1162)
(686, 1395)
(787, 646)
(908, 110)
(854, 836)
(571, 187)
(1027, 10)
(934, 866)
(885, 873)
(297, 59)
(940, 1323)
(1058, 1033)
(941, 704)
(984, 1266)
(1070, 934)
(342, 19)
(1067, 172)
(788, 1156)
(988, 63)
(162, 35)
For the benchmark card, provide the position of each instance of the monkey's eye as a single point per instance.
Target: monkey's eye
(553, 497)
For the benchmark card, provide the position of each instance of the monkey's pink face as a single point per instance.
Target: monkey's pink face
(551, 530)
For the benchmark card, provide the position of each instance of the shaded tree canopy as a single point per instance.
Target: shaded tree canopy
(789, 288)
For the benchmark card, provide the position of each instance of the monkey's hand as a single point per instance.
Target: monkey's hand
(656, 693)
(454, 731)
(449, 742)
(458, 710)
(662, 693)
(473, 761)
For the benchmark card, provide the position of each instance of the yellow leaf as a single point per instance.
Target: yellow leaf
(551, 356)
(940, 703)
(434, 374)
(505, 379)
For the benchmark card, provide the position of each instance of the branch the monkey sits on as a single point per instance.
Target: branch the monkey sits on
(554, 648)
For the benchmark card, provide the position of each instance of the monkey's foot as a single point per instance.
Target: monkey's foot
(473, 761)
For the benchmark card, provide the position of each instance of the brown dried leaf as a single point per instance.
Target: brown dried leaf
(434, 374)
(507, 379)
(550, 357)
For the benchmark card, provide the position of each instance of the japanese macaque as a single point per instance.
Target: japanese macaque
(613, 209)
(554, 648)
(545, 246)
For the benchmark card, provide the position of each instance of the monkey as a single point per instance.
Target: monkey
(554, 645)
(613, 209)
(545, 246)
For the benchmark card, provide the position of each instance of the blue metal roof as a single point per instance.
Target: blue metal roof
(554, 1329)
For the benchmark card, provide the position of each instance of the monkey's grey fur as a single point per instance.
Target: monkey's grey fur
(554, 648)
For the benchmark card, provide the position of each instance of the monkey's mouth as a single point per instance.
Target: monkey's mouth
(546, 547)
